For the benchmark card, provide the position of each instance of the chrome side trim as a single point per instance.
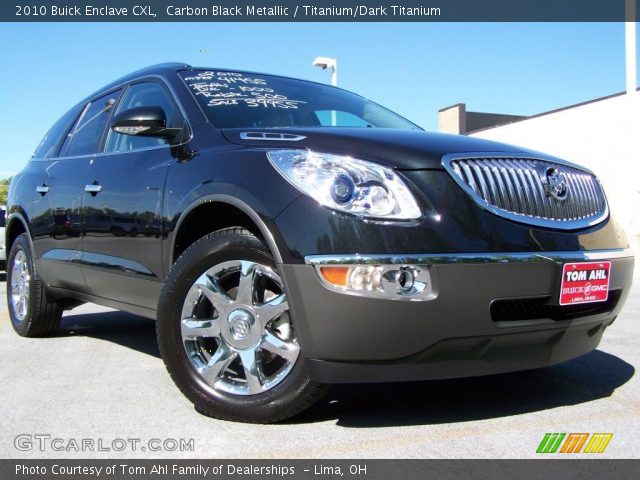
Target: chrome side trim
(466, 258)
(271, 136)
(116, 264)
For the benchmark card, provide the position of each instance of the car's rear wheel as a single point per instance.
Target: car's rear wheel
(33, 312)
(226, 334)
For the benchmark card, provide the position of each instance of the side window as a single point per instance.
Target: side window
(49, 145)
(88, 131)
(147, 94)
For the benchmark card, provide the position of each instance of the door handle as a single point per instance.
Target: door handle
(94, 189)
(42, 189)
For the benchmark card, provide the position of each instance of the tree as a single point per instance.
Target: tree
(4, 190)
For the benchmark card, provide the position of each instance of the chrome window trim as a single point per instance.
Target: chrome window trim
(102, 154)
(516, 217)
(468, 258)
(117, 92)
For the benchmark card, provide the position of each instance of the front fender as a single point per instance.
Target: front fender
(240, 177)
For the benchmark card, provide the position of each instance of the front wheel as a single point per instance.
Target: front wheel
(226, 335)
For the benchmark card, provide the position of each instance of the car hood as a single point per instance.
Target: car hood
(401, 149)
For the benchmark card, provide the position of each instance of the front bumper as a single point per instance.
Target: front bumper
(455, 332)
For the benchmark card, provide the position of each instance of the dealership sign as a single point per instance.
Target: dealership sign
(585, 282)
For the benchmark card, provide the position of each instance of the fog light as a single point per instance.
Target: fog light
(406, 282)
(406, 279)
(376, 278)
(357, 278)
(366, 278)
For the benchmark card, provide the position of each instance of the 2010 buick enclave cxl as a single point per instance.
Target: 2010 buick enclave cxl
(287, 235)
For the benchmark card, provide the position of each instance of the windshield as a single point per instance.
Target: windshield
(241, 100)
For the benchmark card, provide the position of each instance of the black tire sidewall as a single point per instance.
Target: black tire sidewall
(207, 252)
(21, 243)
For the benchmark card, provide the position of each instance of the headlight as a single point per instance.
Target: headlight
(346, 184)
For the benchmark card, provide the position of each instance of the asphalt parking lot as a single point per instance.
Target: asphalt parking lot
(102, 378)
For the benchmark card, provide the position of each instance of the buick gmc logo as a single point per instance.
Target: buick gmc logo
(555, 183)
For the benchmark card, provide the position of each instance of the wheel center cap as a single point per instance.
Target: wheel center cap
(240, 328)
(240, 322)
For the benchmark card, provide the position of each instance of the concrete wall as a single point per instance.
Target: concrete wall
(453, 119)
(602, 135)
(481, 120)
(456, 119)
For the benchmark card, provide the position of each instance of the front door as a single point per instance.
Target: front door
(122, 215)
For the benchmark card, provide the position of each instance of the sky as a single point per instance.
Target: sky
(414, 69)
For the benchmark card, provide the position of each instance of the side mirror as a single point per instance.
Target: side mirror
(143, 122)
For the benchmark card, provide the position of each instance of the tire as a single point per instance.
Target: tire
(33, 312)
(225, 333)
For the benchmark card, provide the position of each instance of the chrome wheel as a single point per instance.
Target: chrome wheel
(236, 328)
(20, 277)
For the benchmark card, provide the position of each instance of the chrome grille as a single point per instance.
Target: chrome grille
(521, 189)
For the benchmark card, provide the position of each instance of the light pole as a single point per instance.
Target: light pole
(324, 63)
(327, 62)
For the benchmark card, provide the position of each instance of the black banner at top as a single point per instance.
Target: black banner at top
(319, 11)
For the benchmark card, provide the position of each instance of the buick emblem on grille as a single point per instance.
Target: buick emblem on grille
(555, 183)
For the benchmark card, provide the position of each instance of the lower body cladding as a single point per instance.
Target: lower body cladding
(480, 314)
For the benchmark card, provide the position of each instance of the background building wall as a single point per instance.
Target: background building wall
(458, 120)
(453, 119)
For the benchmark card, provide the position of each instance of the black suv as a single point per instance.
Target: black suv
(287, 235)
